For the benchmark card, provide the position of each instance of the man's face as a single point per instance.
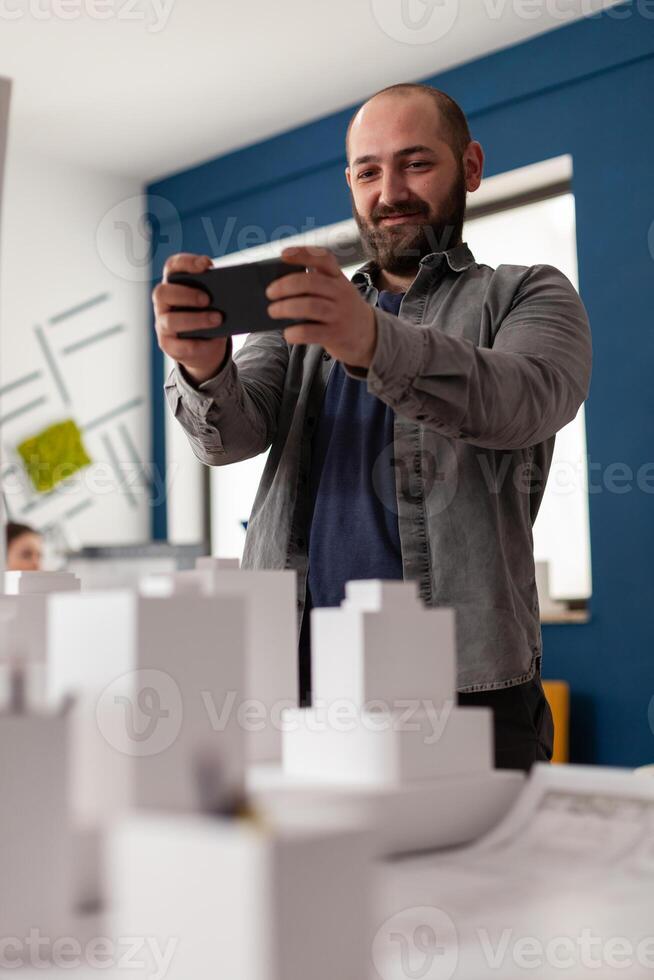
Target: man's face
(408, 189)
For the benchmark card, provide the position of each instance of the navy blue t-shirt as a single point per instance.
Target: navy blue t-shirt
(353, 530)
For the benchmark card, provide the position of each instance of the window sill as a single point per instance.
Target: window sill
(556, 617)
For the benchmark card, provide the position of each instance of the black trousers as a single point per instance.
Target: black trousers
(524, 729)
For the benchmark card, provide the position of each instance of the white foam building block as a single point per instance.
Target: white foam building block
(119, 572)
(158, 681)
(419, 816)
(173, 583)
(271, 669)
(387, 748)
(7, 618)
(40, 583)
(383, 645)
(384, 695)
(29, 614)
(209, 563)
(26, 601)
(35, 826)
(227, 899)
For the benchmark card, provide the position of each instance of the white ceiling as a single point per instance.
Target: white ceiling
(160, 85)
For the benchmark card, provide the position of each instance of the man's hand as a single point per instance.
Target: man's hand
(345, 324)
(201, 359)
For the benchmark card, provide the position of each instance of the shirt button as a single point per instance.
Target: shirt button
(326, 356)
(301, 542)
(311, 421)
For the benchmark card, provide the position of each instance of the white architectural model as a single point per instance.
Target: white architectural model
(384, 695)
(26, 602)
(383, 646)
(35, 829)
(158, 683)
(271, 666)
(40, 583)
(148, 764)
(245, 901)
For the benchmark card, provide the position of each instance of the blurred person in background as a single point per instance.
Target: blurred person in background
(24, 548)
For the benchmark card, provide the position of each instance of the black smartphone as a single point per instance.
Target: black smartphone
(239, 293)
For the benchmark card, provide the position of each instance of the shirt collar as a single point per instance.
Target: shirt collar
(459, 258)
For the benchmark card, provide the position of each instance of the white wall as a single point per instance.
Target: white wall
(64, 237)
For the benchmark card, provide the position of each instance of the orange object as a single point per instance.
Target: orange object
(558, 697)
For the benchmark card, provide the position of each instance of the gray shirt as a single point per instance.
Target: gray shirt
(482, 367)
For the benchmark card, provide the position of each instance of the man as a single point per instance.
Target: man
(412, 420)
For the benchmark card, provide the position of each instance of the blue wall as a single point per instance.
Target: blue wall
(586, 89)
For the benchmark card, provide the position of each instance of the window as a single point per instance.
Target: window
(528, 234)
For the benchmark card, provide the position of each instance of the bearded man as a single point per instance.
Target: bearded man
(411, 413)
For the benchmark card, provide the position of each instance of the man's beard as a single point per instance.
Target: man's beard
(398, 249)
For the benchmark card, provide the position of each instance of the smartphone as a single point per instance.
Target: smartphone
(239, 293)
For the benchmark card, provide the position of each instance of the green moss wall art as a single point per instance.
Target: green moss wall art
(53, 455)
